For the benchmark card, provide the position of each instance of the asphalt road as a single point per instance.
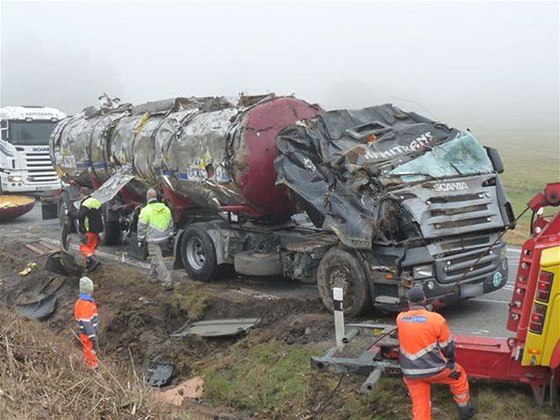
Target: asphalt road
(485, 315)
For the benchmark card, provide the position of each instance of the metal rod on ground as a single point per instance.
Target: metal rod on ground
(338, 317)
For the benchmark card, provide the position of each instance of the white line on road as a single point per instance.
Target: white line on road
(491, 301)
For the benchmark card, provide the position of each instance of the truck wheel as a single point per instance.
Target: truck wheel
(253, 263)
(339, 268)
(198, 254)
(64, 203)
(111, 234)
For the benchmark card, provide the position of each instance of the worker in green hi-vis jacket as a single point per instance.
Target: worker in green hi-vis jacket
(155, 226)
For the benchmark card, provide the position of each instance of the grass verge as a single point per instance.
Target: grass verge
(42, 377)
(267, 379)
(531, 160)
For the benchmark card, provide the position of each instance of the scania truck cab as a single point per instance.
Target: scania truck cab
(25, 165)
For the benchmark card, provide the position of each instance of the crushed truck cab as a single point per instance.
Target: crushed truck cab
(531, 356)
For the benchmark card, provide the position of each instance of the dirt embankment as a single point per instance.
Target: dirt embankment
(137, 317)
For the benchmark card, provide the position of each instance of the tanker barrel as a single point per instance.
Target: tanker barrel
(215, 153)
(372, 380)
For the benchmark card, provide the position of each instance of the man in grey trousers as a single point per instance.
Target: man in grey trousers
(155, 226)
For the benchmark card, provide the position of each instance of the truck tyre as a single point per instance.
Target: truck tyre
(111, 234)
(64, 203)
(339, 268)
(253, 263)
(198, 254)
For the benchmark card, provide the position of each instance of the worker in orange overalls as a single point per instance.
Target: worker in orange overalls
(427, 356)
(85, 312)
(91, 224)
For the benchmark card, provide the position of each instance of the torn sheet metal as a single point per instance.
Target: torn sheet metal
(41, 308)
(344, 165)
(113, 185)
(213, 152)
(217, 327)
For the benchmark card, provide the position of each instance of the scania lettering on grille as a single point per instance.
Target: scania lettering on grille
(450, 186)
(40, 149)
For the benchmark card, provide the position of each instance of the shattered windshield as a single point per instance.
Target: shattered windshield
(459, 157)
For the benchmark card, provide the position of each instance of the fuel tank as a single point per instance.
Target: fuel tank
(215, 153)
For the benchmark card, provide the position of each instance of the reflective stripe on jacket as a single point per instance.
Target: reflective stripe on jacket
(85, 312)
(426, 345)
(155, 223)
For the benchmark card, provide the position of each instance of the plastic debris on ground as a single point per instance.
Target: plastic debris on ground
(161, 374)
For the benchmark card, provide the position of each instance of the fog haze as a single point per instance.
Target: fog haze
(469, 64)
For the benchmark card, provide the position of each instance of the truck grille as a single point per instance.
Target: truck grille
(454, 213)
(40, 168)
(452, 268)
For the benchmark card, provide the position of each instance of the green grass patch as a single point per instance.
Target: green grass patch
(268, 378)
(190, 299)
(390, 401)
(531, 160)
(265, 378)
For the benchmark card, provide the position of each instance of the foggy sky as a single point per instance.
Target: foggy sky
(468, 64)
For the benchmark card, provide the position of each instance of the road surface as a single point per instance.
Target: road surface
(485, 315)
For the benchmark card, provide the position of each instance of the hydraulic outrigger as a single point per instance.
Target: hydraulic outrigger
(531, 356)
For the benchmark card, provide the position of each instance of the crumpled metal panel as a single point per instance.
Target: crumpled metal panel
(194, 159)
(79, 146)
(339, 165)
(113, 185)
(217, 327)
(214, 152)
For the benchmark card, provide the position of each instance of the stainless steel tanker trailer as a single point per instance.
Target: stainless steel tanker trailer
(373, 200)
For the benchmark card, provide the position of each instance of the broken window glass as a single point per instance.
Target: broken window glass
(462, 156)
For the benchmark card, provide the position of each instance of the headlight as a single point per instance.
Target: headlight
(15, 178)
(423, 271)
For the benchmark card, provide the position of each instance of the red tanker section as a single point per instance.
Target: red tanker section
(261, 125)
(211, 153)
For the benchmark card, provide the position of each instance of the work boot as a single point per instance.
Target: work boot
(92, 264)
(467, 412)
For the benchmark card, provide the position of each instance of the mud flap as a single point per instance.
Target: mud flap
(133, 249)
(49, 211)
(177, 259)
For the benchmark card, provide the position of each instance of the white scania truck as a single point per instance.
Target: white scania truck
(25, 165)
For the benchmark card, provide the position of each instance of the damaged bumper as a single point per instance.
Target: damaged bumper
(445, 279)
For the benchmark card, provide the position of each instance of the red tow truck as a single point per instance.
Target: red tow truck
(531, 356)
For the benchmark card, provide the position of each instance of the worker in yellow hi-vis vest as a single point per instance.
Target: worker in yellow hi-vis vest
(155, 226)
(90, 223)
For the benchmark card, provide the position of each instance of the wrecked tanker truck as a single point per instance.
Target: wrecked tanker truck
(373, 200)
